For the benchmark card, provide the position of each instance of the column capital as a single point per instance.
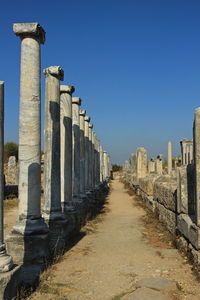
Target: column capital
(76, 100)
(55, 71)
(69, 89)
(82, 112)
(91, 125)
(87, 119)
(30, 30)
(2, 82)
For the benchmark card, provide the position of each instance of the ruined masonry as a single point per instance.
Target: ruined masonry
(76, 169)
(172, 192)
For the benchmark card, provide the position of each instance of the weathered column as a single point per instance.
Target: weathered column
(82, 151)
(87, 120)
(191, 153)
(76, 102)
(159, 165)
(91, 156)
(105, 162)
(94, 158)
(66, 92)
(5, 260)
(169, 158)
(151, 166)
(98, 171)
(52, 199)
(29, 216)
(101, 164)
(197, 163)
(141, 163)
(28, 240)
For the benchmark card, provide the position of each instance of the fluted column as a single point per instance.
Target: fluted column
(76, 102)
(66, 143)
(82, 151)
(87, 120)
(52, 199)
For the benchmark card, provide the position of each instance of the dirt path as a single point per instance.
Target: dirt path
(107, 264)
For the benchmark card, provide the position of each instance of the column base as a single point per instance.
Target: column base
(9, 282)
(57, 223)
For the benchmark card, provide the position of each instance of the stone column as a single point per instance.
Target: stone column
(169, 158)
(191, 153)
(76, 102)
(87, 120)
(91, 156)
(197, 163)
(159, 165)
(52, 199)
(29, 215)
(94, 159)
(98, 168)
(105, 162)
(141, 163)
(66, 92)
(82, 151)
(101, 163)
(5, 260)
(151, 166)
(28, 240)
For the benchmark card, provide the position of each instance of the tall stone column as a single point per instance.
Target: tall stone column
(87, 120)
(169, 158)
(52, 199)
(105, 162)
(101, 163)
(94, 158)
(28, 240)
(91, 157)
(197, 163)
(98, 169)
(5, 260)
(82, 151)
(151, 166)
(76, 102)
(29, 215)
(66, 92)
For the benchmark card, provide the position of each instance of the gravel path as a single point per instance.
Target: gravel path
(115, 256)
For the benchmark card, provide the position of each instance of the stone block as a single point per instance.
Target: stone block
(165, 192)
(166, 216)
(183, 224)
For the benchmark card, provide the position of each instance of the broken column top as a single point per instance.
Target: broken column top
(90, 125)
(76, 100)
(55, 71)
(82, 112)
(30, 30)
(69, 89)
(87, 118)
(1, 82)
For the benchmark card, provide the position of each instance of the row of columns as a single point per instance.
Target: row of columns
(74, 161)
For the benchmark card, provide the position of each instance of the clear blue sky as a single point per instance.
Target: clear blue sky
(134, 63)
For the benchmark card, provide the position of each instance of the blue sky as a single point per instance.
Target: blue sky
(134, 63)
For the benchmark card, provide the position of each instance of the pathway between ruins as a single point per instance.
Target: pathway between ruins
(107, 263)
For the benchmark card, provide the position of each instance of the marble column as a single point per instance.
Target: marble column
(76, 102)
(82, 151)
(66, 92)
(94, 158)
(97, 175)
(91, 157)
(27, 242)
(196, 131)
(6, 262)
(29, 189)
(52, 199)
(169, 158)
(87, 120)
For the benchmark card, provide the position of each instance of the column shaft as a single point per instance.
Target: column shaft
(87, 120)
(197, 164)
(66, 143)
(52, 200)
(169, 158)
(82, 151)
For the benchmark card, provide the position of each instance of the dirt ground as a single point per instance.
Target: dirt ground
(115, 250)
